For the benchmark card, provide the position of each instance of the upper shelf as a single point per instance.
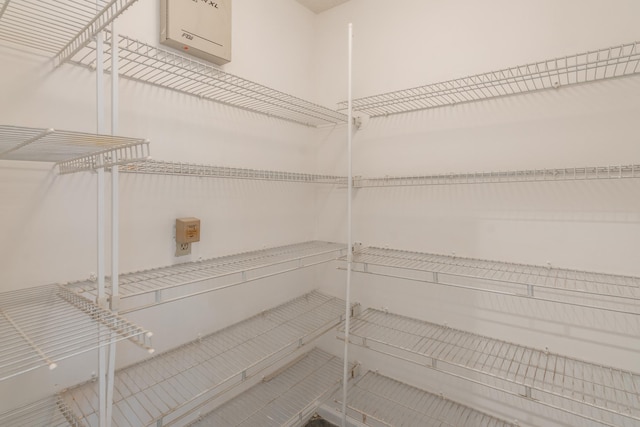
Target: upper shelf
(579, 288)
(44, 325)
(585, 67)
(531, 175)
(210, 171)
(148, 64)
(71, 151)
(58, 28)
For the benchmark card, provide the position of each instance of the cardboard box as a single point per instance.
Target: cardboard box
(187, 230)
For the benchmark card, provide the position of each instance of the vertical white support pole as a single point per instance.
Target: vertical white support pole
(347, 318)
(100, 226)
(115, 223)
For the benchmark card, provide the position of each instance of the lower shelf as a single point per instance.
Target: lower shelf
(49, 412)
(598, 393)
(176, 384)
(288, 399)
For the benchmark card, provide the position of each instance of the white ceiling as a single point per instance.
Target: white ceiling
(318, 6)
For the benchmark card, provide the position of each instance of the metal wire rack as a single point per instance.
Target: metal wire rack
(608, 395)
(199, 170)
(377, 400)
(170, 386)
(148, 64)
(42, 326)
(579, 288)
(611, 62)
(532, 175)
(56, 27)
(72, 151)
(49, 412)
(176, 282)
(288, 399)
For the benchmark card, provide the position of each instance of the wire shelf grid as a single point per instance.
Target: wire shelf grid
(531, 175)
(42, 326)
(172, 385)
(580, 288)
(151, 65)
(248, 265)
(72, 151)
(607, 63)
(200, 170)
(48, 412)
(378, 400)
(288, 399)
(541, 375)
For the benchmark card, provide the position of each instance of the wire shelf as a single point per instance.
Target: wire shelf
(287, 399)
(49, 412)
(586, 67)
(176, 282)
(57, 28)
(548, 378)
(72, 151)
(532, 175)
(42, 326)
(148, 64)
(172, 385)
(199, 170)
(377, 400)
(579, 288)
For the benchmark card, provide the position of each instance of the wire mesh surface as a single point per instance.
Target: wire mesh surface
(533, 175)
(581, 288)
(148, 64)
(617, 61)
(200, 170)
(44, 325)
(49, 145)
(58, 27)
(49, 412)
(170, 385)
(288, 399)
(378, 400)
(248, 266)
(542, 374)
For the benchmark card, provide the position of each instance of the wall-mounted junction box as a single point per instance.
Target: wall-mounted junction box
(187, 230)
(201, 28)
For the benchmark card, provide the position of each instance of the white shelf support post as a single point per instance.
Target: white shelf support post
(347, 318)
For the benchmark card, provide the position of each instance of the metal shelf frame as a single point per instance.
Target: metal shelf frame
(603, 394)
(155, 167)
(144, 289)
(71, 151)
(620, 294)
(602, 64)
(148, 64)
(48, 412)
(287, 399)
(171, 386)
(379, 401)
(42, 326)
(589, 173)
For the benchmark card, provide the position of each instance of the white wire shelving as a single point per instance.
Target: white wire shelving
(148, 64)
(43, 325)
(148, 288)
(496, 177)
(49, 412)
(71, 151)
(155, 167)
(171, 386)
(608, 292)
(603, 394)
(288, 399)
(602, 64)
(59, 28)
(379, 401)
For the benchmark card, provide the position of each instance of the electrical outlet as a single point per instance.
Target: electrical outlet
(183, 249)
